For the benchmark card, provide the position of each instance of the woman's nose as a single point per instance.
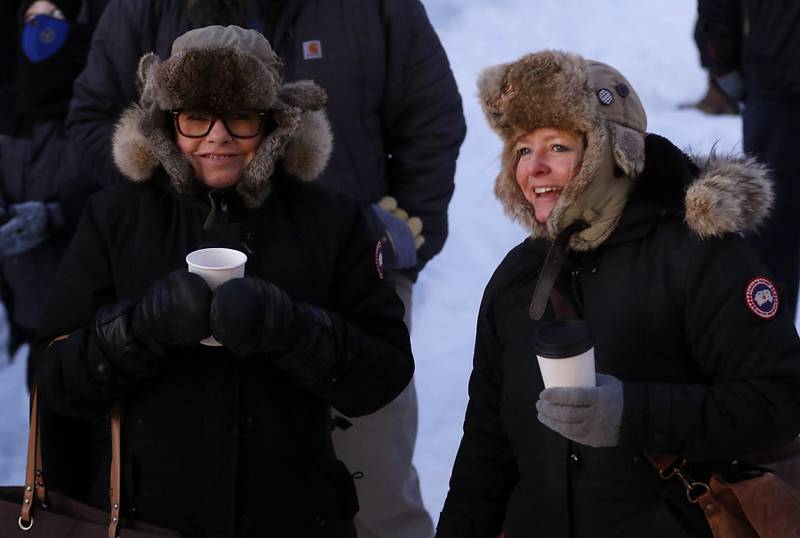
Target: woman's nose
(537, 165)
(218, 133)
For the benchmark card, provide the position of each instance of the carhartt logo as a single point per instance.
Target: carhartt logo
(312, 50)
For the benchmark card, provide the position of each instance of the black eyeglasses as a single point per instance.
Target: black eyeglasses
(198, 123)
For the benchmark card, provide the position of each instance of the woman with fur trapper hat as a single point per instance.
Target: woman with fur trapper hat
(232, 440)
(694, 354)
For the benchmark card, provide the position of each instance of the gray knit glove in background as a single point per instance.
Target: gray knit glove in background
(26, 228)
(587, 415)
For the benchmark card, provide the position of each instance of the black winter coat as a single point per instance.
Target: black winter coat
(759, 38)
(393, 103)
(703, 377)
(216, 446)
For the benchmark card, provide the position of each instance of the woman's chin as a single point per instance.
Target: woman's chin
(541, 214)
(220, 181)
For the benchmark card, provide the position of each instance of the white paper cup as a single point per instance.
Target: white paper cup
(575, 371)
(565, 351)
(216, 266)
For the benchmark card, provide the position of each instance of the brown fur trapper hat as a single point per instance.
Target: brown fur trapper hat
(223, 69)
(564, 90)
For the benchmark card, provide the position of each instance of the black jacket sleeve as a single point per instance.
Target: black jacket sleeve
(107, 85)
(423, 121)
(485, 470)
(74, 375)
(360, 344)
(752, 397)
(718, 34)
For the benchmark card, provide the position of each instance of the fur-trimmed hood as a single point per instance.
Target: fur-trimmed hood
(714, 194)
(731, 195)
(223, 69)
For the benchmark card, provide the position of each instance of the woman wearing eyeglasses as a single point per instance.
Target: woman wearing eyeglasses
(231, 440)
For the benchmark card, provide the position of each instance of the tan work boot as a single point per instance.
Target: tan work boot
(714, 102)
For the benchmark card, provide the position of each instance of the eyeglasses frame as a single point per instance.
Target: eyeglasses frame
(176, 113)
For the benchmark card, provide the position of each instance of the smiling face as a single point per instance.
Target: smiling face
(218, 159)
(547, 158)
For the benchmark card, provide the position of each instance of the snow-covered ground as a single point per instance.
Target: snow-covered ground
(650, 42)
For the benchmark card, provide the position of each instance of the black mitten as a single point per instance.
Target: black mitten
(173, 312)
(249, 315)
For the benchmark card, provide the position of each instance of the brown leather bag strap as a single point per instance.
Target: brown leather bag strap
(38, 475)
(115, 480)
(34, 476)
(31, 470)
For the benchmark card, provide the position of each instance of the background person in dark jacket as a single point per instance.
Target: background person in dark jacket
(232, 440)
(42, 189)
(753, 49)
(694, 358)
(397, 123)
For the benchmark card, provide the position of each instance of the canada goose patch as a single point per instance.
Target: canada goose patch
(762, 298)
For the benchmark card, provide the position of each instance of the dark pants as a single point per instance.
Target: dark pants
(770, 135)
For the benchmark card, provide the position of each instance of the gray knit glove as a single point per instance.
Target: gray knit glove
(587, 415)
(26, 228)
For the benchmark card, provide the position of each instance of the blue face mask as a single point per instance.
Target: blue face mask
(43, 37)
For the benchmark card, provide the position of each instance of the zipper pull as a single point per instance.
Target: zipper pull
(211, 214)
(575, 290)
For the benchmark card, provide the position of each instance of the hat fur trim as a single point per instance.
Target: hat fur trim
(219, 79)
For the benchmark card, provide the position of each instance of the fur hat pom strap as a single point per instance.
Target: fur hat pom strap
(551, 269)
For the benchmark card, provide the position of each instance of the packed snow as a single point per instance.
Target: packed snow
(650, 42)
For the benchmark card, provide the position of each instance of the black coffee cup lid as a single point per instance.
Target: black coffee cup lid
(560, 339)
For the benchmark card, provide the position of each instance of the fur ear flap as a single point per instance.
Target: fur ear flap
(303, 94)
(628, 146)
(132, 151)
(145, 77)
(309, 150)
